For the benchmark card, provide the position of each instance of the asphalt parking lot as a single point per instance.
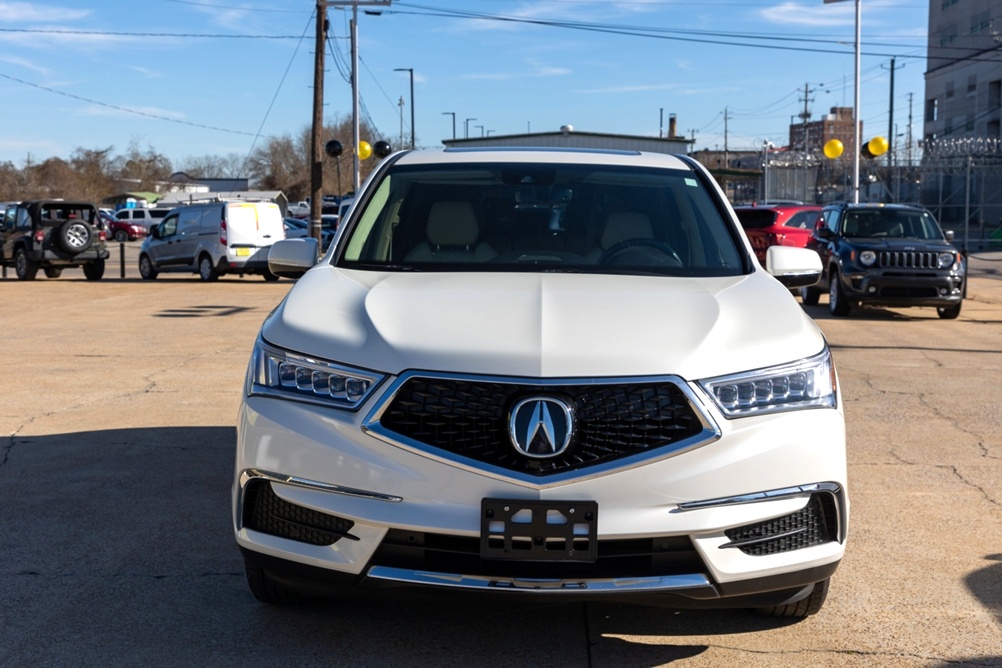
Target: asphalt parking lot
(117, 426)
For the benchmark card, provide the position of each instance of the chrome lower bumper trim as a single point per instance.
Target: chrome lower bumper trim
(251, 474)
(640, 585)
(757, 497)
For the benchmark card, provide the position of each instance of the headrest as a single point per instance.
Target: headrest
(623, 225)
(452, 224)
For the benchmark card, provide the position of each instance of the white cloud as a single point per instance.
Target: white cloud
(26, 64)
(639, 88)
(124, 111)
(148, 73)
(21, 12)
(816, 14)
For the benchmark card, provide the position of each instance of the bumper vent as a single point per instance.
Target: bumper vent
(469, 419)
(814, 524)
(908, 260)
(632, 558)
(264, 511)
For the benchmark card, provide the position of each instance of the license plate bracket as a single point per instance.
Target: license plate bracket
(515, 529)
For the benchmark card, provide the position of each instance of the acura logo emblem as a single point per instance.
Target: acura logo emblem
(541, 427)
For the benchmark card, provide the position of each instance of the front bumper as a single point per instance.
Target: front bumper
(666, 527)
(894, 288)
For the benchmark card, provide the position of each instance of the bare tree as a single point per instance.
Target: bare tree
(143, 170)
(93, 169)
(213, 166)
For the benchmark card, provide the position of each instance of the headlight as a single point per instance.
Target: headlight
(945, 260)
(867, 258)
(286, 375)
(805, 384)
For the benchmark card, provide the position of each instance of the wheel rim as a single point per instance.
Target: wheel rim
(77, 235)
(20, 264)
(145, 267)
(833, 292)
(205, 268)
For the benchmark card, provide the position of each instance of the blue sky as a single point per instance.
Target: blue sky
(217, 77)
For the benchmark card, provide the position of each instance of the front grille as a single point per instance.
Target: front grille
(264, 511)
(642, 557)
(814, 524)
(469, 418)
(908, 260)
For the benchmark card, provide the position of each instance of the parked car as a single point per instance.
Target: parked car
(296, 228)
(298, 209)
(212, 239)
(147, 217)
(886, 255)
(777, 225)
(121, 230)
(52, 235)
(542, 375)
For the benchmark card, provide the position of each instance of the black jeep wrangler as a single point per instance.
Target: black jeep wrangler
(53, 235)
(886, 255)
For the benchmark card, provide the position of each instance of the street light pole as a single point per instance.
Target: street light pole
(453, 114)
(411, 71)
(466, 127)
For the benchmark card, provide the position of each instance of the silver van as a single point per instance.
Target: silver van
(212, 239)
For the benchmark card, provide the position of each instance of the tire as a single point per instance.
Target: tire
(53, 272)
(74, 236)
(94, 270)
(810, 295)
(146, 268)
(23, 267)
(948, 312)
(837, 303)
(267, 590)
(121, 236)
(805, 607)
(206, 270)
(270, 277)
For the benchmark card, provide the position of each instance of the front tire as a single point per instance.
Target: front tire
(948, 312)
(805, 607)
(121, 236)
(23, 267)
(270, 277)
(94, 271)
(53, 272)
(810, 295)
(206, 270)
(267, 590)
(837, 303)
(146, 268)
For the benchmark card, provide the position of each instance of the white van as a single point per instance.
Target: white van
(214, 238)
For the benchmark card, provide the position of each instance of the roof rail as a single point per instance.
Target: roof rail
(200, 198)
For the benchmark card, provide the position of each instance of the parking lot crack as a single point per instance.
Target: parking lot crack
(956, 473)
(837, 655)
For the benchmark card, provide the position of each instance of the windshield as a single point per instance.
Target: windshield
(541, 217)
(891, 223)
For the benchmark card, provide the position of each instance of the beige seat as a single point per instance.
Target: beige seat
(452, 235)
(620, 226)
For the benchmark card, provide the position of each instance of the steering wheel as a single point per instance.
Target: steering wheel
(646, 251)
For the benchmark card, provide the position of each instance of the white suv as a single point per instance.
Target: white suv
(547, 374)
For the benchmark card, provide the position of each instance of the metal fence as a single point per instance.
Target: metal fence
(959, 180)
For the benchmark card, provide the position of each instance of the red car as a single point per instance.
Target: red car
(777, 225)
(122, 230)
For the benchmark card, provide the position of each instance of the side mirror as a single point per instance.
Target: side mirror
(155, 231)
(821, 231)
(793, 267)
(291, 258)
(949, 235)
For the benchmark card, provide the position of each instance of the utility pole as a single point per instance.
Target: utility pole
(401, 105)
(727, 117)
(453, 114)
(316, 141)
(805, 115)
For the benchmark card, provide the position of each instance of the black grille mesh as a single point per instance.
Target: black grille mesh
(814, 524)
(470, 419)
(264, 511)
(909, 259)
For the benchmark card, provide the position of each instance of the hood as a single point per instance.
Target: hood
(543, 325)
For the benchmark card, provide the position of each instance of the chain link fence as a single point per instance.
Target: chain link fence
(959, 180)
